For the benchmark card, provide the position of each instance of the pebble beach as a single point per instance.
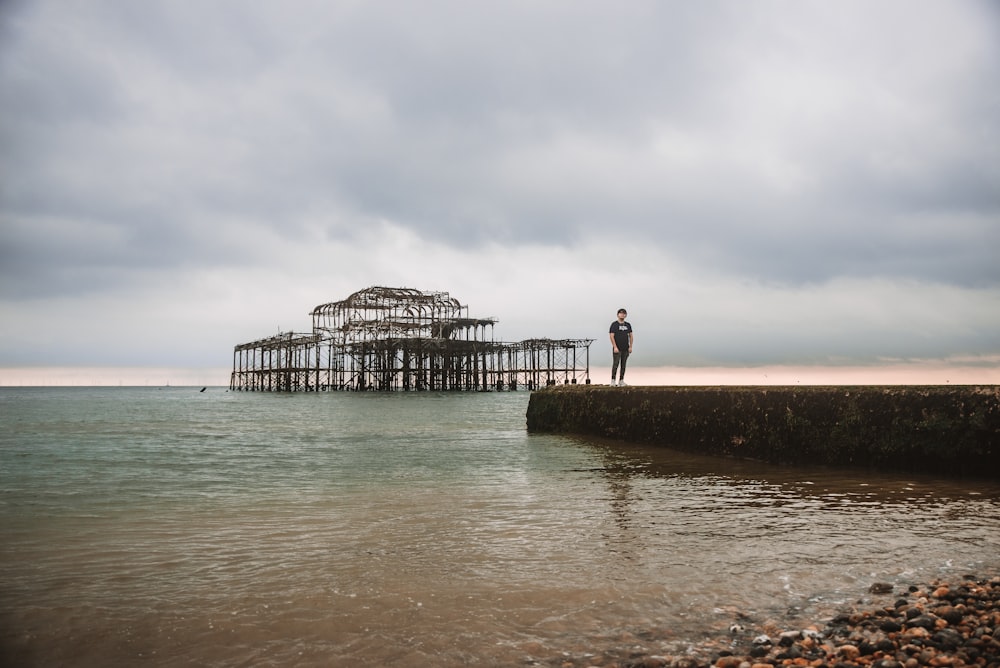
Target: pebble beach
(941, 625)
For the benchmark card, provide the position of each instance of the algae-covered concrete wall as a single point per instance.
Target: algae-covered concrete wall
(937, 429)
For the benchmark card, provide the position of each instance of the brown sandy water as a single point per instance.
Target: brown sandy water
(175, 528)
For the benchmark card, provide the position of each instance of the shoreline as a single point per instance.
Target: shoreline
(941, 624)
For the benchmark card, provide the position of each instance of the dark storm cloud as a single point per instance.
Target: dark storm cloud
(782, 144)
(514, 122)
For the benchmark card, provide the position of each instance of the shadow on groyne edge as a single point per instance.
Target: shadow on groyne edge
(949, 430)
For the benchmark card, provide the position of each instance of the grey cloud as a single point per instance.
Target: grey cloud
(792, 150)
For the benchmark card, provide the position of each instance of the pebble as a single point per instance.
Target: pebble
(940, 625)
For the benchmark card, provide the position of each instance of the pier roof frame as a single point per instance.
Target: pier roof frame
(382, 312)
(280, 341)
(379, 297)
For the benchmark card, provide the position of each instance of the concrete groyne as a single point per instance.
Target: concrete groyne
(951, 430)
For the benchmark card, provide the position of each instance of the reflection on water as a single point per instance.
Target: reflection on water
(805, 540)
(415, 530)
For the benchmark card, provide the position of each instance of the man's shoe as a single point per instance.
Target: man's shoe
(622, 383)
(613, 382)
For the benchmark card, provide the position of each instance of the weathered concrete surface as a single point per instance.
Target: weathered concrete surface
(952, 430)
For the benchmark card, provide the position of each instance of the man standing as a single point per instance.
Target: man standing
(621, 346)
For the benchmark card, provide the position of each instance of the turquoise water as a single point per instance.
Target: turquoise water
(168, 526)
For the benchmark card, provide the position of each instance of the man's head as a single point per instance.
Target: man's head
(622, 313)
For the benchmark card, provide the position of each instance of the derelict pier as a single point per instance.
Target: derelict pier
(389, 339)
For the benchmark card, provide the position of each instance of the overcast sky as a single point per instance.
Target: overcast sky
(757, 182)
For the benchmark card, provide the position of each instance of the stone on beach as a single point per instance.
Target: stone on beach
(944, 625)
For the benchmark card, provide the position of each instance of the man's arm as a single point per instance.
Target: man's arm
(630, 340)
(611, 335)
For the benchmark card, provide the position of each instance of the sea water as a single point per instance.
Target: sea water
(176, 527)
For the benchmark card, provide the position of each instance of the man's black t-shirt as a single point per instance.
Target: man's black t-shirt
(621, 330)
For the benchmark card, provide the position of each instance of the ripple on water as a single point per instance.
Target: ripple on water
(225, 528)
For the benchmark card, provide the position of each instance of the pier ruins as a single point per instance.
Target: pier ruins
(389, 339)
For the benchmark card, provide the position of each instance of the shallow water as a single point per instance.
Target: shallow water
(174, 527)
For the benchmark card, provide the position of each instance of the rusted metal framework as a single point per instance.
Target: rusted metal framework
(389, 339)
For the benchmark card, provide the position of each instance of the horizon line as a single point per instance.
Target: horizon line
(926, 372)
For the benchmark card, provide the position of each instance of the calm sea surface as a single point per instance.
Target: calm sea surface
(172, 527)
